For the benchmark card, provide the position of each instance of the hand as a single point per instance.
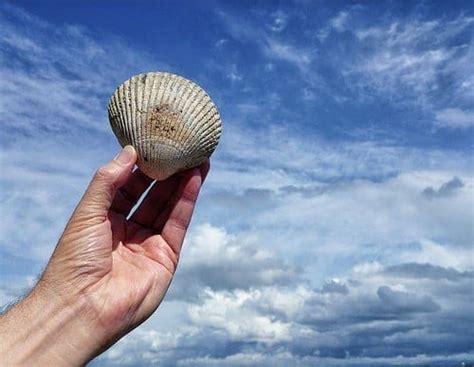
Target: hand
(108, 273)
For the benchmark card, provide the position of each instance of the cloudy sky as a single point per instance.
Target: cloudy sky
(336, 226)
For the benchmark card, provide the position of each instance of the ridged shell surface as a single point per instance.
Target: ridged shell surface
(170, 121)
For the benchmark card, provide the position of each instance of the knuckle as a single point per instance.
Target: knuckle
(189, 197)
(179, 224)
(105, 172)
(176, 261)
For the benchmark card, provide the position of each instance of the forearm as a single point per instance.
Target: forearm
(42, 331)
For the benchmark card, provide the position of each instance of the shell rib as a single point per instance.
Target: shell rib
(170, 121)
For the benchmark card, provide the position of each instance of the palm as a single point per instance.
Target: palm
(138, 276)
(126, 265)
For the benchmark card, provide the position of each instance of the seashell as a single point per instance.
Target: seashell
(170, 121)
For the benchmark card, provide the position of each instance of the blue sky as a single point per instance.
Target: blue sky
(336, 226)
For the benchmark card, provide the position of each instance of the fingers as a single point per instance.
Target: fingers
(204, 168)
(163, 216)
(99, 196)
(128, 195)
(182, 206)
(155, 207)
(155, 201)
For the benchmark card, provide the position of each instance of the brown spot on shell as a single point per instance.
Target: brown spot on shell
(164, 122)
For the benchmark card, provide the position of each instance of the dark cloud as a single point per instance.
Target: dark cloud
(418, 271)
(306, 191)
(447, 189)
(334, 287)
(245, 202)
(229, 274)
(405, 302)
(220, 261)
(396, 314)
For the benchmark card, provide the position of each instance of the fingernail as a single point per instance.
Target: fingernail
(126, 155)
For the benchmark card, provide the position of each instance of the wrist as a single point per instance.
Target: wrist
(44, 330)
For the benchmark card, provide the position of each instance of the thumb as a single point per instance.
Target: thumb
(95, 204)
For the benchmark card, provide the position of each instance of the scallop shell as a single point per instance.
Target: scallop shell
(170, 121)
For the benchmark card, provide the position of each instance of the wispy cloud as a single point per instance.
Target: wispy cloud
(54, 86)
(403, 61)
(335, 24)
(234, 74)
(339, 21)
(414, 58)
(47, 88)
(269, 43)
(279, 21)
(282, 51)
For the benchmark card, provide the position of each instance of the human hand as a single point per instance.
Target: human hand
(108, 273)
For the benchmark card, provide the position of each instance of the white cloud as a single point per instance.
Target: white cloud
(454, 118)
(221, 42)
(366, 219)
(390, 306)
(39, 193)
(301, 58)
(62, 89)
(229, 312)
(308, 94)
(271, 156)
(431, 252)
(279, 21)
(271, 45)
(234, 74)
(411, 57)
(218, 260)
(339, 21)
(284, 358)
